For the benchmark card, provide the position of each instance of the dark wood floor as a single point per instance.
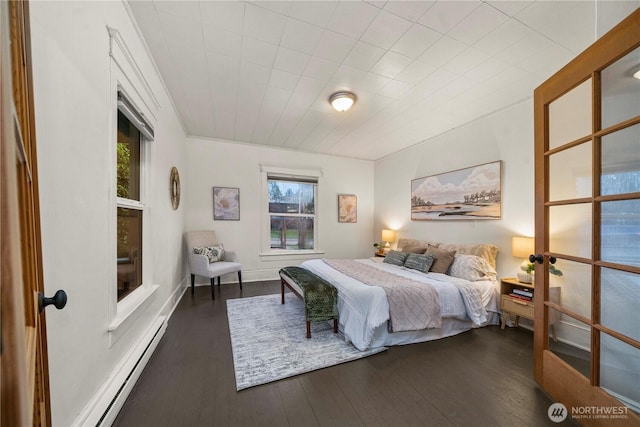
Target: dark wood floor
(479, 378)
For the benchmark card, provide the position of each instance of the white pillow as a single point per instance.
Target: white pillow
(471, 268)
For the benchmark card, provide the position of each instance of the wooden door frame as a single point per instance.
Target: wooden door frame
(566, 384)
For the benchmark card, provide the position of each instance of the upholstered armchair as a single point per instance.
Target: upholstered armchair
(200, 265)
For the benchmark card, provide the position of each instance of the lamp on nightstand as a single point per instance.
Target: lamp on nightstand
(522, 247)
(388, 236)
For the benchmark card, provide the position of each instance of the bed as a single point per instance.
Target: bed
(467, 296)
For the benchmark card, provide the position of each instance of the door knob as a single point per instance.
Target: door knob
(59, 300)
(538, 258)
(535, 258)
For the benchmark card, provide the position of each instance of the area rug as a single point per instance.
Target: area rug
(269, 341)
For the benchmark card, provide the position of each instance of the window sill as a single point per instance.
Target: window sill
(130, 304)
(286, 255)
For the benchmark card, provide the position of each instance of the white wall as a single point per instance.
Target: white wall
(507, 136)
(72, 88)
(222, 164)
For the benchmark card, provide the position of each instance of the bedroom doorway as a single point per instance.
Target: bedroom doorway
(587, 222)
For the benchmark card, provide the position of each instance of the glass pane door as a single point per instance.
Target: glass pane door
(587, 172)
(570, 225)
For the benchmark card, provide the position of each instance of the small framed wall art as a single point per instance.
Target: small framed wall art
(226, 203)
(347, 208)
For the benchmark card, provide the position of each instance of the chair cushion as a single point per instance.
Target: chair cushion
(224, 267)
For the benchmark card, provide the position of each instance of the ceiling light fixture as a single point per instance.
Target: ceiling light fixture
(342, 101)
(637, 74)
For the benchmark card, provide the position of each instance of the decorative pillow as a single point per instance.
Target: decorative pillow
(215, 253)
(483, 250)
(443, 259)
(414, 249)
(420, 262)
(396, 258)
(472, 268)
(403, 241)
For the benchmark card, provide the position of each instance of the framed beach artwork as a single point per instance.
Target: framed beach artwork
(226, 203)
(347, 208)
(470, 193)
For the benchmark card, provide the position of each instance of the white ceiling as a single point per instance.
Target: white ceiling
(262, 72)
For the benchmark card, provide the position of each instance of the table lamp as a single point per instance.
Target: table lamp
(388, 236)
(522, 247)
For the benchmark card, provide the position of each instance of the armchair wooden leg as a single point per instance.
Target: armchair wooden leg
(193, 281)
(213, 289)
(240, 279)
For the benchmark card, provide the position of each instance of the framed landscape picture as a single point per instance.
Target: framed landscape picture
(347, 208)
(226, 203)
(470, 193)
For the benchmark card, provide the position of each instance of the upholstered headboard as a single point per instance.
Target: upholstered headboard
(483, 250)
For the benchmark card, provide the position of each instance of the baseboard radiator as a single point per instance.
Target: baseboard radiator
(106, 404)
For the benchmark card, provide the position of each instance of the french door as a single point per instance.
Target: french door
(24, 373)
(587, 222)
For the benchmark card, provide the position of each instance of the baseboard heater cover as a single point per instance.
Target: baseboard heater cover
(104, 407)
(123, 392)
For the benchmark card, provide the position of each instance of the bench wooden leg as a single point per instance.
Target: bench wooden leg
(335, 326)
(282, 289)
(308, 329)
(193, 280)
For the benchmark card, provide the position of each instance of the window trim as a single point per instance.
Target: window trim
(127, 79)
(273, 172)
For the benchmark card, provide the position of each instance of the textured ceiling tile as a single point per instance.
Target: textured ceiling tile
(364, 56)
(409, 10)
(385, 30)
(352, 18)
(290, 60)
(415, 41)
(333, 46)
(301, 36)
(313, 12)
(263, 24)
(444, 15)
(477, 25)
(391, 64)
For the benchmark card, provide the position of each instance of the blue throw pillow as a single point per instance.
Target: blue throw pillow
(419, 262)
(396, 258)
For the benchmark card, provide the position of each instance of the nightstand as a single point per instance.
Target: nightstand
(523, 306)
(380, 255)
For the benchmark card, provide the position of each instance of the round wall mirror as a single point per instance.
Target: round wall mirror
(174, 188)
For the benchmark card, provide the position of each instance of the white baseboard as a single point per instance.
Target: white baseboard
(107, 402)
(103, 408)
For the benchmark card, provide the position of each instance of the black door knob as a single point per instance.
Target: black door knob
(538, 259)
(59, 300)
(535, 258)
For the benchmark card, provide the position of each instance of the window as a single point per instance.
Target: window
(132, 132)
(291, 211)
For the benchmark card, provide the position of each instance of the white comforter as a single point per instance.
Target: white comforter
(364, 308)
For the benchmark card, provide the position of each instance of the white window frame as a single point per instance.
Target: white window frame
(302, 174)
(127, 78)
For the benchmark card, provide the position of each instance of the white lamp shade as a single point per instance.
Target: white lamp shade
(342, 101)
(388, 235)
(522, 247)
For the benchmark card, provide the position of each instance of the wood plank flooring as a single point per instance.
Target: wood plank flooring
(482, 377)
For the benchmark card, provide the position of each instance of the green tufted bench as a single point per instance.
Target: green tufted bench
(320, 297)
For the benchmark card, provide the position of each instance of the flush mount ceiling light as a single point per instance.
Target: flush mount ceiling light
(637, 74)
(342, 101)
